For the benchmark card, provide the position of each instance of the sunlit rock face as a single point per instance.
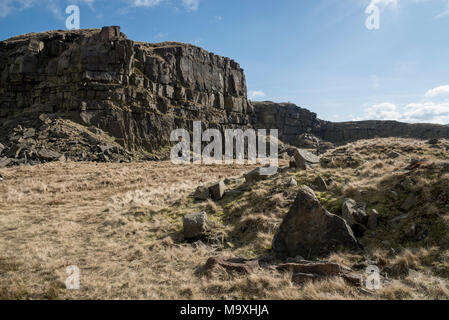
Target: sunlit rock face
(137, 92)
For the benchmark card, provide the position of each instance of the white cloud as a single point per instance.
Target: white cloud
(256, 94)
(421, 112)
(146, 3)
(438, 91)
(191, 5)
(381, 111)
(429, 112)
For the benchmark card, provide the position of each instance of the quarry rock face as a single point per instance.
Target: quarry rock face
(293, 122)
(136, 92)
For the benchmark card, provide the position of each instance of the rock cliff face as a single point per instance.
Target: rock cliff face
(59, 87)
(136, 92)
(293, 121)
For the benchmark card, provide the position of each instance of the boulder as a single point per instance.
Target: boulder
(233, 264)
(310, 231)
(292, 163)
(4, 162)
(394, 154)
(372, 219)
(217, 190)
(292, 182)
(410, 202)
(353, 213)
(320, 184)
(258, 174)
(195, 225)
(1, 178)
(49, 155)
(201, 193)
(305, 159)
(321, 268)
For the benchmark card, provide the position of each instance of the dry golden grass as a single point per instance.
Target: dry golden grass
(120, 224)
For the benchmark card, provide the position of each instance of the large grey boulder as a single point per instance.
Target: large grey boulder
(217, 190)
(195, 225)
(305, 159)
(310, 231)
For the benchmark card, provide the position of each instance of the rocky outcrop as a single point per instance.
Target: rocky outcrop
(136, 92)
(293, 122)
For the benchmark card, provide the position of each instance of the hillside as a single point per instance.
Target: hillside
(123, 225)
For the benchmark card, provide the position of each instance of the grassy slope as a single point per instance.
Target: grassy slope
(121, 224)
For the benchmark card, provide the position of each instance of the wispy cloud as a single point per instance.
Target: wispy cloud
(57, 7)
(145, 3)
(256, 94)
(438, 92)
(191, 5)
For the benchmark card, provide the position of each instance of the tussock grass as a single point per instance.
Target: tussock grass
(122, 225)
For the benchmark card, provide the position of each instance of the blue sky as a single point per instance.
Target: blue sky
(318, 54)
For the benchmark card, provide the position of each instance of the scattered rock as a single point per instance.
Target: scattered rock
(195, 225)
(301, 278)
(256, 175)
(292, 163)
(410, 202)
(201, 193)
(49, 155)
(305, 159)
(394, 154)
(217, 190)
(310, 231)
(411, 231)
(372, 219)
(415, 164)
(320, 268)
(292, 182)
(353, 213)
(407, 184)
(4, 162)
(95, 130)
(311, 271)
(233, 264)
(320, 184)
(399, 218)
